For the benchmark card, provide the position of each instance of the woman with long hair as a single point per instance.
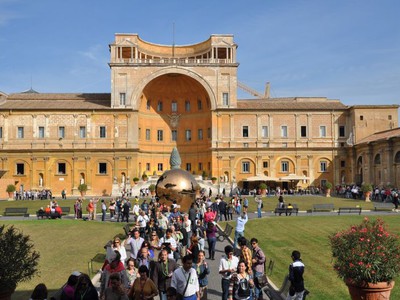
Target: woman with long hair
(241, 283)
(115, 290)
(131, 271)
(203, 271)
(211, 233)
(39, 293)
(143, 287)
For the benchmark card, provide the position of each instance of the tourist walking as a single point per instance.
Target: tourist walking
(258, 266)
(239, 229)
(296, 271)
(185, 281)
(203, 271)
(227, 265)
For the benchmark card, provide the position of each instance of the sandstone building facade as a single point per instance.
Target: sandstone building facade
(186, 97)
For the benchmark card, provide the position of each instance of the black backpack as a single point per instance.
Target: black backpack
(243, 289)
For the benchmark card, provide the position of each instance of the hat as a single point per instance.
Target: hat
(76, 273)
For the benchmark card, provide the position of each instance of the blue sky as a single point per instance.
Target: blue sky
(340, 49)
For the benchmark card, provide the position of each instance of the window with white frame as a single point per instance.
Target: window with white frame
(102, 168)
(322, 131)
(245, 167)
(122, 99)
(245, 131)
(174, 135)
(303, 131)
(82, 131)
(102, 132)
(159, 106)
(284, 166)
(225, 99)
(323, 165)
(160, 135)
(187, 105)
(284, 132)
(264, 132)
(174, 106)
(61, 132)
(41, 132)
(20, 132)
(160, 167)
(342, 131)
(200, 134)
(188, 135)
(61, 168)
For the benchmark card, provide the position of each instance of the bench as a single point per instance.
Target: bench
(287, 211)
(225, 234)
(388, 206)
(323, 207)
(65, 210)
(349, 210)
(16, 211)
(280, 294)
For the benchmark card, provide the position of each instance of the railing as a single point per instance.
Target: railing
(173, 61)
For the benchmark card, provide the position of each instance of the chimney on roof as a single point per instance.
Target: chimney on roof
(267, 90)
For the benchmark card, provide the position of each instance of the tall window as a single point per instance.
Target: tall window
(342, 131)
(245, 167)
(209, 132)
(20, 132)
(160, 135)
(82, 132)
(322, 131)
(285, 166)
(41, 132)
(20, 168)
(147, 166)
(102, 168)
(187, 105)
(102, 132)
(284, 131)
(323, 166)
(245, 131)
(122, 99)
(200, 134)
(225, 99)
(200, 166)
(160, 167)
(147, 134)
(188, 167)
(61, 132)
(148, 104)
(303, 131)
(265, 164)
(159, 106)
(188, 135)
(174, 135)
(61, 169)
(264, 131)
(199, 104)
(174, 106)
(1, 132)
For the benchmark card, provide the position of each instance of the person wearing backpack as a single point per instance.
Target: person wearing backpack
(241, 283)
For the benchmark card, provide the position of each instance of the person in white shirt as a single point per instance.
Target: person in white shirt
(227, 265)
(168, 242)
(141, 221)
(239, 230)
(188, 227)
(185, 280)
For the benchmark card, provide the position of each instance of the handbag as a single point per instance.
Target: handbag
(262, 280)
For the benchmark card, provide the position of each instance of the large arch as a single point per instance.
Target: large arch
(136, 95)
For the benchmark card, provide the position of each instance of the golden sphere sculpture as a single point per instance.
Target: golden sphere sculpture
(177, 184)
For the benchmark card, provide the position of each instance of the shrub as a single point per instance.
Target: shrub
(152, 187)
(328, 185)
(366, 187)
(263, 186)
(366, 253)
(135, 179)
(10, 188)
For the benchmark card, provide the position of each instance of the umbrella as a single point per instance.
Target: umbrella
(261, 178)
(294, 177)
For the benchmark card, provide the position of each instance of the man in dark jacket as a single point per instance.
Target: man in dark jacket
(296, 271)
(162, 274)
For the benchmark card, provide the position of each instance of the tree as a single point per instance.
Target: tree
(18, 261)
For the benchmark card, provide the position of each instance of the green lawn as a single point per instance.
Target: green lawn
(280, 236)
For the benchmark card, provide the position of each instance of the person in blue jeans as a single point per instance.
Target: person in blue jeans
(239, 230)
(259, 202)
(211, 233)
(258, 266)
